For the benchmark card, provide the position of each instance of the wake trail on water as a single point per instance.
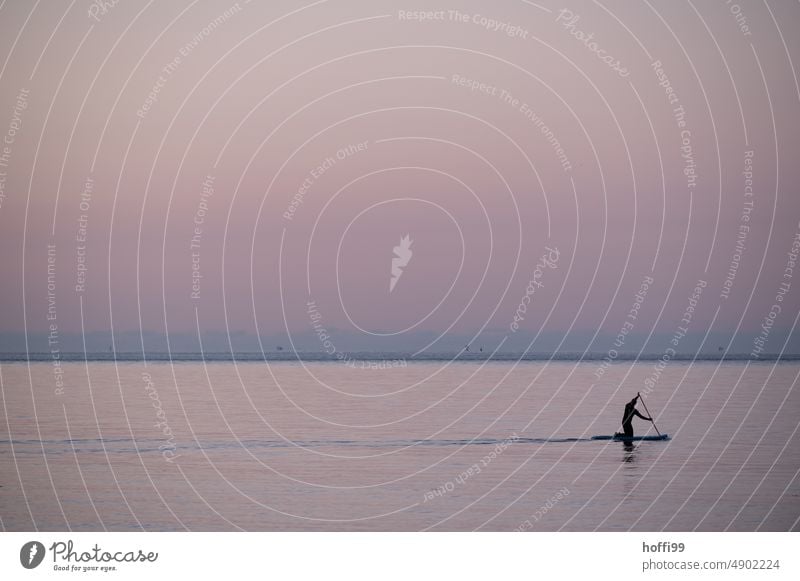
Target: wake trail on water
(130, 445)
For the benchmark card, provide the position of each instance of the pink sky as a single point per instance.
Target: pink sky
(258, 97)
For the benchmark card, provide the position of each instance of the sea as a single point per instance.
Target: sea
(389, 442)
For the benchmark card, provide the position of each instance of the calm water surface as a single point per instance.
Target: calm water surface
(432, 445)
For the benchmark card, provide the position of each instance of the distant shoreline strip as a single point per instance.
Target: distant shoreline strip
(312, 357)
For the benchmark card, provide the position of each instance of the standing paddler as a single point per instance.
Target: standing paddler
(627, 419)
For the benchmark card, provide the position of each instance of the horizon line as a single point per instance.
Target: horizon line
(407, 356)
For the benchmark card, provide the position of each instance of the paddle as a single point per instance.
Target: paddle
(648, 413)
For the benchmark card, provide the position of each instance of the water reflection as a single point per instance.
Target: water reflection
(629, 452)
(630, 474)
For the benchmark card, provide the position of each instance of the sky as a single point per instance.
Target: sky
(211, 169)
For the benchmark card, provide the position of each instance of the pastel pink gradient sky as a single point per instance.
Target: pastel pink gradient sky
(271, 91)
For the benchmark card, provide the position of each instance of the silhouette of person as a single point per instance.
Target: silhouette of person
(627, 419)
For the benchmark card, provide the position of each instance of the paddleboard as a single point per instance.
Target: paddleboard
(622, 438)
